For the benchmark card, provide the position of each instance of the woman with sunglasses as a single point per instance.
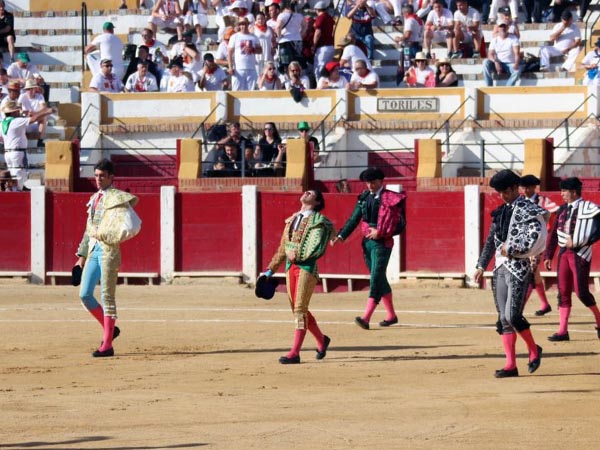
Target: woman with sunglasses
(420, 75)
(268, 142)
(445, 75)
(268, 80)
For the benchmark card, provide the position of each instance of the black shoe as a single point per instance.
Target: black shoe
(321, 354)
(104, 354)
(387, 323)
(361, 323)
(544, 311)
(535, 364)
(41, 143)
(292, 360)
(559, 337)
(503, 373)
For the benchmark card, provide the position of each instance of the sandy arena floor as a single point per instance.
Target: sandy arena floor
(196, 367)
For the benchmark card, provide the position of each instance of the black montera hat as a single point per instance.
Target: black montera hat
(76, 275)
(371, 174)
(571, 184)
(265, 287)
(529, 180)
(504, 179)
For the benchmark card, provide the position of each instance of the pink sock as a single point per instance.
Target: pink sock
(298, 340)
(109, 328)
(314, 329)
(371, 305)
(98, 313)
(596, 312)
(509, 342)
(541, 291)
(528, 338)
(564, 312)
(388, 304)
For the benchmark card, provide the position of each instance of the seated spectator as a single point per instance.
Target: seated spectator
(7, 30)
(567, 38)
(166, 14)
(363, 77)
(342, 186)
(231, 158)
(294, 77)
(142, 80)
(445, 75)
(22, 70)
(412, 32)
(157, 50)
(8, 183)
(178, 80)
(313, 142)
(106, 81)
(13, 92)
(504, 56)
(143, 56)
(385, 8)
(352, 53)
(467, 28)
(323, 37)
(222, 53)
(268, 142)
(242, 47)
(268, 80)
(211, 77)
(331, 78)
(420, 75)
(590, 64)
(234, 134)
(512, 27)
(362, 14)
(513, 5)
(266, 39)
(110, 47)
(194, 16)
(290, 29)
(439, 28)
(32, 102)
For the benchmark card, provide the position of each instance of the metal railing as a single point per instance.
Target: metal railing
(565, 123)
(84, 34)
(78, 127)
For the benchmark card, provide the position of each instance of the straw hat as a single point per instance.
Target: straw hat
(420, 56)
(10, 107)
(30, 84)
(441, 61)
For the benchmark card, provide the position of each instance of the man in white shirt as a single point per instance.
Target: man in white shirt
(31, 102)
(504, 56)
(352, 53)
(110, 47)
(242, 47)
(567, 38)
(439, 27)
(211, 77)
(467, 28)
(179, 81)
(142, 80)
(106, 81)
(363, 78)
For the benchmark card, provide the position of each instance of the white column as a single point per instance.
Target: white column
(38, 234)
(167, 233)
(393, 267)
(341, 110)
(221, 111)
(249, 233)
(90, 132)
(472, 231)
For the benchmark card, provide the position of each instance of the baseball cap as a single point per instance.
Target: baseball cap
(23, 56)
(303, 126)
(108, 26)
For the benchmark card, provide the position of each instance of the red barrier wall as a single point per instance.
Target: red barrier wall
(15, 231)
(208, 232)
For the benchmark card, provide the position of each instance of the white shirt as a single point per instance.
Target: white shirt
(468, 19)
(15, 138)
(370, 78)
(352, 53)
(213, 81)
(416, 29)
(136, 84)
(292, 29)
(110, 47)
(567, 38)
(24, 73)
(326, 83)
(180, 84)
(444, 20)
(106, 84)
(504, 48)
(35, 104)
(244, 46)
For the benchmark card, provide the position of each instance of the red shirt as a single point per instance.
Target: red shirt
(325, 23)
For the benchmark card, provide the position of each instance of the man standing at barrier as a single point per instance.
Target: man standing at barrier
(380, 213)
(576, 228)
(303, 242)
(108, 224)
(528, 184)
(517, 232)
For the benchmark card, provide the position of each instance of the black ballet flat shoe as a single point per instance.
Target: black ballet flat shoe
(503, 373)
(535, 364)
(387, 323)
(559, 337)
(542, 312)
(104, 354)
(361, 323)
(292, 360)
(321, 354)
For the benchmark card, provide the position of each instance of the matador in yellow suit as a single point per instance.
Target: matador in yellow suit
(303, 242)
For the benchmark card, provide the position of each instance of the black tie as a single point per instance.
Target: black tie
(569, 211)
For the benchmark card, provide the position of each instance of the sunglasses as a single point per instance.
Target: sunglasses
(107, 65)
(268, 129)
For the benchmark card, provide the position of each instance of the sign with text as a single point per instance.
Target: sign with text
(409, 104)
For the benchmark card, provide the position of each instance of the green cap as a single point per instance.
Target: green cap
(303, 126)
(23, 56)
(108, 26)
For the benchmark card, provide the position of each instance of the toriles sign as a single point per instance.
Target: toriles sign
(408, 105)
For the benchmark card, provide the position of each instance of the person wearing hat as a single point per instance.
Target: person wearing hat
(576, 229)
(111, 48)
(166, 14)
(99, 252)
(590, 64)
(323, 38)
(7, 30)
(439, 28)
(528, 186)
(517, 232)
(23, 69)
(467, 28)
(211, 77)
(303, 241)
(239, 9)
(143, 56)
(504, 56)
(32, 101)
(330, 77)
(8, 183)
(14, 132)
(106, 80)
(312, 156)
(14, 92)
(420, 75)
(380, 214)
(567, 40)
(241, 59)
(445, 75)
